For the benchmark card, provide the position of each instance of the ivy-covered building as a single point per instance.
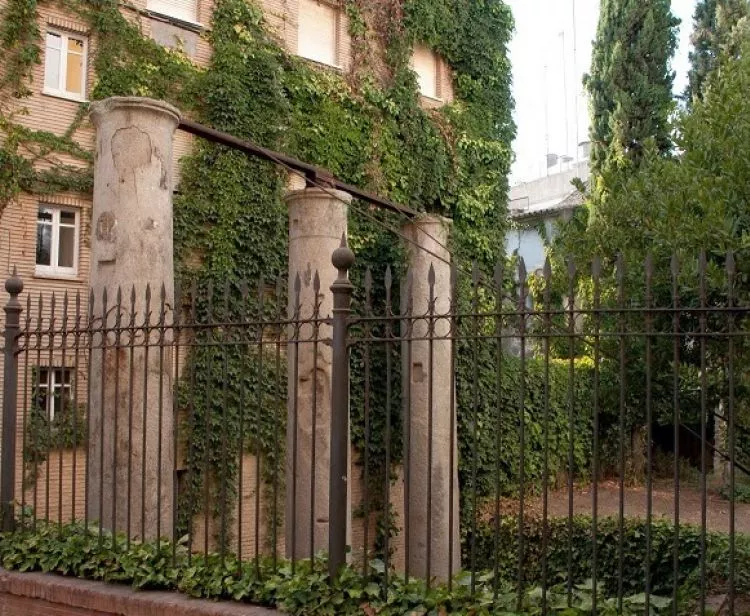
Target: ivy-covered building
(407, 98)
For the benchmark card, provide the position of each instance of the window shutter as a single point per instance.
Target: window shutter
(425, 65)
(317, 32)
(179, 9)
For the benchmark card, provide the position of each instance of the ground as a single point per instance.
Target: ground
(690, 503)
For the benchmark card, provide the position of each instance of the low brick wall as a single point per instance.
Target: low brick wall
(37, 594)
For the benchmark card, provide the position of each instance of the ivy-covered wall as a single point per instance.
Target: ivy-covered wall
(367, 126)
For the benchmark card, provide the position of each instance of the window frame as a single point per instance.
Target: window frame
(63, 92)
(50, 385)
(54, 269)
(335, 7)
(158, 7)
(437, 96)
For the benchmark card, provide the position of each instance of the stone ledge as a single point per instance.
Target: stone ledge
(24, 594)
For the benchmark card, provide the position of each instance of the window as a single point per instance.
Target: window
(318, 32)
(425, 64)
(53, 390)
(65, 65)
(57, 231)
(185, 10)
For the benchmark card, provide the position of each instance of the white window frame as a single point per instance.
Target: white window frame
(437, 95)
(53, 269)
(166, 8)
(61, 90)
(336, 8)
(51, 386)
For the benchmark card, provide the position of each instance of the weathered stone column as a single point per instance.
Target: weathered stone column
(431, 507)
(317, 221)
(131, 447)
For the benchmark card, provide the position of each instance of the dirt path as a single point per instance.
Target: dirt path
(717, 509)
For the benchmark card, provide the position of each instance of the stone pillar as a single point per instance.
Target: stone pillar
(317, 221)
(430, 501)
(131, 445)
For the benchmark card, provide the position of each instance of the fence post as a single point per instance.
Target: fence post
(342, 288)
(14, 286)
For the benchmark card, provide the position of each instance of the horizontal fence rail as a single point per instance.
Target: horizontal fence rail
(560, 437)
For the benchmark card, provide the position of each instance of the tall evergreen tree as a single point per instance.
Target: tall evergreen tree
(630, 84)
(714, 22)
(703, 54)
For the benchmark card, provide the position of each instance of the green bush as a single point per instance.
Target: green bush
(571, 542)
(304, 589)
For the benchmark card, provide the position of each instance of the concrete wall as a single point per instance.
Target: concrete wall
(548, 188)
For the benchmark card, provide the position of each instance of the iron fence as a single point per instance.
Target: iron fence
(511, 432)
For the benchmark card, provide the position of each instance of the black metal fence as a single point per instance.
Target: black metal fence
(544, 431)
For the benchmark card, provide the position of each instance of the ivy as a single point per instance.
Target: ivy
(367, 127)
(306, 589)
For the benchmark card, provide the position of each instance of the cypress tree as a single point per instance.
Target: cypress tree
(630, 84)
(714, 22)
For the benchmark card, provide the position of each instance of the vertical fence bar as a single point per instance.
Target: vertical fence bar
(731, 273)
(388, 402)
(571, 417)
(65, 401)
(75, 395)
(498, 276)
(453, 427)
(26, 403)
(621, 428)
(295, 341)
(676, 419)
(224, 487)
(649, 275)
(131, 380)
(704, 432)
(14, 287)
(366, 410)
(259, 411)
(315, 332)
(276, 427)
(596, 268)
(342, 289)
(474, 337)
(430, 411)
(51, 403)
(546, 429)
(523, 315)
(175, 367)
(244, 347)
(116, 427)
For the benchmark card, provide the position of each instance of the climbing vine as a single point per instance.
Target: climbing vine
(367, 126)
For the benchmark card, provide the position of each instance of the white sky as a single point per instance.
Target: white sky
(545, 67)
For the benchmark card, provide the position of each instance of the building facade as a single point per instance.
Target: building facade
(46, 237)
(535, 208)
(45, 234)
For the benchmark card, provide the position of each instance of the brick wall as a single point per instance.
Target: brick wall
(25, 594)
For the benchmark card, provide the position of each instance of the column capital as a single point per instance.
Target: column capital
(100, 109)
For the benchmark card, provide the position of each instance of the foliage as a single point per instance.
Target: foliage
(674, 207)
(713, 28)
(305, 589)
(741, 493)
(630, 84)
(489, 434)
(368, 127)
(569, 544)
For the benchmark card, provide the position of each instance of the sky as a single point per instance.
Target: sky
(550, 52)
